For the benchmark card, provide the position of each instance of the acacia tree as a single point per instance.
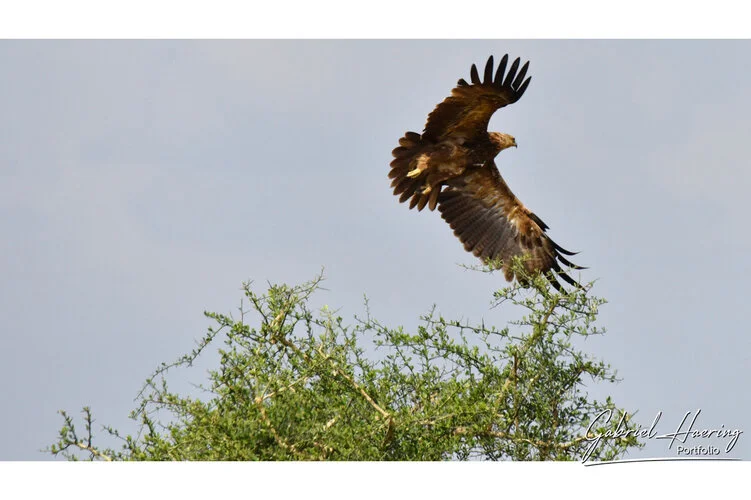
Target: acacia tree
(294, 384)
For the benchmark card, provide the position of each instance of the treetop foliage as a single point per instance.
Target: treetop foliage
(298, 384)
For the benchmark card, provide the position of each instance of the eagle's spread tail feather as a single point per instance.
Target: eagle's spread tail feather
(408, 181)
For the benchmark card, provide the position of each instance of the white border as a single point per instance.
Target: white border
(383, 19)
(380, 480)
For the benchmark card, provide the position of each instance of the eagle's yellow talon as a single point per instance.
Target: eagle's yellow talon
(414, 173)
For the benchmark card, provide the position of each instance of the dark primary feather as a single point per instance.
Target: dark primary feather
(488, 72)
(501, 67)
(474, 76)
(520, 77)
(467, 111)
(511, 73)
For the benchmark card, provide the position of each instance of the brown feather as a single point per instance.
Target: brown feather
(406, 185)
(520, 77)
(470, 234)
(511, 73)
(474, 76)
(413, 201)
(481, 232)
(397, 174)
(402, 152)
(410, 139)
(488, 78)
(434, 198)
(406, 196)
(465, 219)
(498, 81)
(488, 241)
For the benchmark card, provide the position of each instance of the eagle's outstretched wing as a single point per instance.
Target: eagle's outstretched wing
(494, 225)
(467, 111)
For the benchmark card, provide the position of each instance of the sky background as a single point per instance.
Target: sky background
(142, 182)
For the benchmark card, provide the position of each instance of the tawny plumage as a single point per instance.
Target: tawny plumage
(451, 166)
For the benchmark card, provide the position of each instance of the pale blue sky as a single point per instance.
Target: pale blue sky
(142, 182)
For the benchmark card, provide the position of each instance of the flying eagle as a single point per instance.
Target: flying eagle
(451, 166)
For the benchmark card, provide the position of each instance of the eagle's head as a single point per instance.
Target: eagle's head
(502, 141)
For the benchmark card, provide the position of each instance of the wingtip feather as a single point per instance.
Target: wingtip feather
(488, 77)
(498, 82)
(474, 76)
(511, 72)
